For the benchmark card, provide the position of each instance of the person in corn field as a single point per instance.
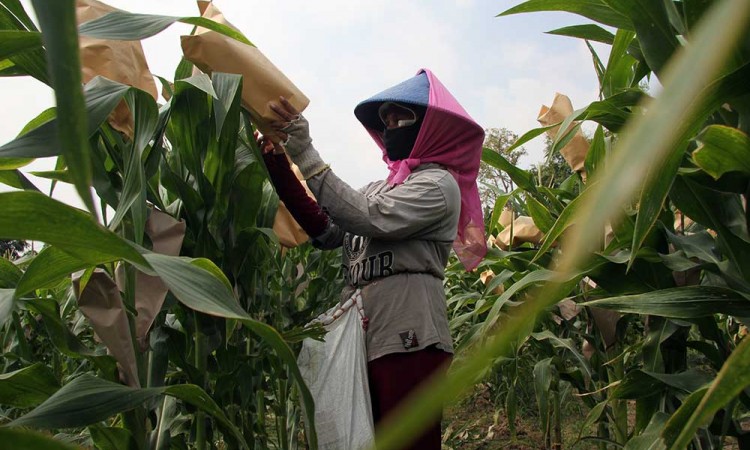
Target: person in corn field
(396, 233)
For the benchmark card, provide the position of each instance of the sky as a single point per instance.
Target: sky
(340, 52)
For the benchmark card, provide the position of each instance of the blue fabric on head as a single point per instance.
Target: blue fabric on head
(415, 91)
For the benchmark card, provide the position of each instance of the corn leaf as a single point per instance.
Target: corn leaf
(723, 149)
(47, 269)
(102, 96)
(6, 305)
(589, 32)
(133, 196)
(27, 387)
(200, 290)
(731, 380)
(596, 10)
(122, 25)
(34, 216)
(58, 22)
(9, 274)
(655, 34)
(522, 178)
(645, 142)
(16, 179)
(112, 438)
(689, 302)
(32, 61)
(13, 42)
(19, 439)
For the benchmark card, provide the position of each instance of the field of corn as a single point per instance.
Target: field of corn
(167, 315)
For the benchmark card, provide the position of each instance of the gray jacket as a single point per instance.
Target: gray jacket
(396, 242)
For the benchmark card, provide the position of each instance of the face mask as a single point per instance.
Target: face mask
(399, 142)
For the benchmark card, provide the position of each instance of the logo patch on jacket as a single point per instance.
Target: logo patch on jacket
(409, 339)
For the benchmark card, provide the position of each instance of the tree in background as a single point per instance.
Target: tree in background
(12, 249)
(492, 181)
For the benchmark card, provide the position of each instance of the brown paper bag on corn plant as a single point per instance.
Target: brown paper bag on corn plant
(121, 61)
(523, 230)
(166, 234)
(100, 302)
(262, 81)
(574, 151)
(290, 233)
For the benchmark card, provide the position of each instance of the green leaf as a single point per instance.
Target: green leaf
(650, 439)
(190, 393)
(27, 387)
(9, 274)
(83, 401)
(539, 214)
(6, 305)
(13, 42)
(644, 142)
(34, 216)
(16, 179)
(102, 96)
(723, 149)
(58, 23)
(651, 201)
(19, 15)
(47, 269)
(589, 32)
(732, 379)
(680, 303)
(595, 10)
(655, 34)
(566, 219)
(592, 417)
(522, 178)
(112, 438)
(529, 135)
(30, 440)
(133, 196)
(32, 61)
(565, 344)
(122, 25)
(200, 290)
(720, 212)
(597, 152)
(542, 382)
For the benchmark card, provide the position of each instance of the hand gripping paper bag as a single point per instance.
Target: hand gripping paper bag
(121, 61)
(262, 81)
(336, 373)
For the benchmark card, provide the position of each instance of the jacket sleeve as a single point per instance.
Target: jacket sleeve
(418, 208)
(304, 209)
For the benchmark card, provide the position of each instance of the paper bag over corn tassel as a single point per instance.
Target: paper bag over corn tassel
(100, 302)
(574, 151)
(522, 229)
(121, 61)
(262, 81)
(166, 234)
(290, 232)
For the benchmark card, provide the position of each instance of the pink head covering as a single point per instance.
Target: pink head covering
(449, 137)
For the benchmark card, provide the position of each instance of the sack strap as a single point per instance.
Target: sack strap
(332, 314)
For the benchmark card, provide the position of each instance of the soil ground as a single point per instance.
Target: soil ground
(476, 424)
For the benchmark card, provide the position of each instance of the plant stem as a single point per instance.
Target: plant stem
(200, 364)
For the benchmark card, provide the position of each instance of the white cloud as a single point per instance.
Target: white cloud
(340, 52)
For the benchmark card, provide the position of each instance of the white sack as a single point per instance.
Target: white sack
(335, 371)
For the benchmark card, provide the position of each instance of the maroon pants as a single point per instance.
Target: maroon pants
(392, 377)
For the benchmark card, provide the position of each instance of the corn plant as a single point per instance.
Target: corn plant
(212, 370)
(651, 158)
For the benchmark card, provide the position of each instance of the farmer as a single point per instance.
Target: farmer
(397, 233)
